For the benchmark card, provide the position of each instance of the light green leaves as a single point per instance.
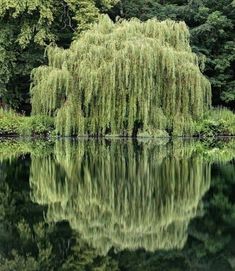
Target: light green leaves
(115, 78)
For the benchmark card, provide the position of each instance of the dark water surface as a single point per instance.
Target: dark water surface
(117, 205)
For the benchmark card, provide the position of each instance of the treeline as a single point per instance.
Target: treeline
(27, 27)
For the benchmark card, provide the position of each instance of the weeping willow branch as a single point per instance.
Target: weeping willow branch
(144, 198)
(116, 76)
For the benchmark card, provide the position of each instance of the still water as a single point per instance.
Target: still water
(117, 204)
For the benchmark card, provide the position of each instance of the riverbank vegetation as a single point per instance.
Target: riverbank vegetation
(216, 122)
(13, 124)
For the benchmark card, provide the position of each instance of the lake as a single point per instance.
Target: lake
(117, 204)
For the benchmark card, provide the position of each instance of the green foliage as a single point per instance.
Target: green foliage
(87, 12)
(9, 121)
(18, 263)
(153, 133)
(183, 125)
(116, 77)
(12, 123)
(37, 125)
(211, 25)
(217, 122)
(27, 27)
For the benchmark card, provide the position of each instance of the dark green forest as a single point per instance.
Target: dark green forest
(34, 33)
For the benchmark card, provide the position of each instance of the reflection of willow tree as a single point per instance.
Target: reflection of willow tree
(27, 242)
(212, 236)
(122, 195)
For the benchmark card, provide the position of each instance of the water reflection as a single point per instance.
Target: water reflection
(123, 194)
(154, 181)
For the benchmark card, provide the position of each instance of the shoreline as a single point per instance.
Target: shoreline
(113, 137)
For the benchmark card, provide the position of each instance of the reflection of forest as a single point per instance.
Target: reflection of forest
(123, 195)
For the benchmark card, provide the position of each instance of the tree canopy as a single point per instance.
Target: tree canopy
(211, 24)
(116, 78)
(27, 27)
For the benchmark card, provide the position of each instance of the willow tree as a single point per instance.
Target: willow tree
(116, 78)
(144, 198)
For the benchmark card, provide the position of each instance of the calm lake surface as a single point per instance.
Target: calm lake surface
(117, 204)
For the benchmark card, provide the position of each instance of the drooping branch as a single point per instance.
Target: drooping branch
(116, 75)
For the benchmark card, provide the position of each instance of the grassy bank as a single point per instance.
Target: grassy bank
(13, 124)
(216, 122)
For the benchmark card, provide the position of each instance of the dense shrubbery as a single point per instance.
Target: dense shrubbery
(12, 124)
(217, 122)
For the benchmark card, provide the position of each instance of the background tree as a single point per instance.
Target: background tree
(27, 27)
